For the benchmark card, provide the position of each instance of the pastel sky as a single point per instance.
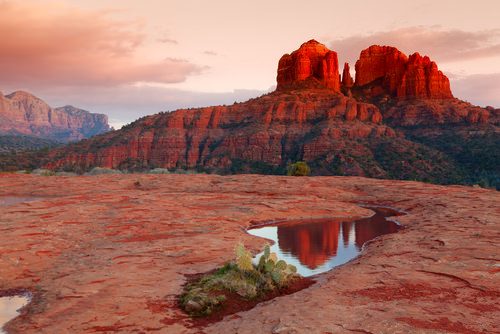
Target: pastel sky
(130, 58)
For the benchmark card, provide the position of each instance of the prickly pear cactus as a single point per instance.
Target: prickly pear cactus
(292, 268)
(277, 276)
(267, 251)
(262, 263)
(240, 251)
(245, 263)
(273, 257)
(243, 258)
(281, 265)
(269, 266)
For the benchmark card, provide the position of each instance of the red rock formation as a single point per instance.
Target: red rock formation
(311, 60)
(23, 113)
(266, 129)
(347, 80)
(422, 79)
(306, 118)
(393, 72)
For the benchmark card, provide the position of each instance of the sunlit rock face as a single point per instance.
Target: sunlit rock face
(391, 71)
(312, 116)
(311, 60)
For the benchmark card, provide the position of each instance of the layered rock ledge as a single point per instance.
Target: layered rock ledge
(112, 254)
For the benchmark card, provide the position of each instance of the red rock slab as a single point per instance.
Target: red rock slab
(110, 253)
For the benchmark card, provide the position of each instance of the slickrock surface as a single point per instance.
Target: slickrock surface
(112, 255)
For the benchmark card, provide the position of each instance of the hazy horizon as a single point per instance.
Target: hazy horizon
(128, 59)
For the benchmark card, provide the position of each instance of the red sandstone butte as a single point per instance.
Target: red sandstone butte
(311, 60)
(110, 253)
(400, 76)
(302, 115)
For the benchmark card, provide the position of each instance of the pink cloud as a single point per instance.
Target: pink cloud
(439, 44)
(57, 44)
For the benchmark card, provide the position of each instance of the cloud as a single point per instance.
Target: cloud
(167, 40)
(53, 43)
(439, 44)
(210, 53)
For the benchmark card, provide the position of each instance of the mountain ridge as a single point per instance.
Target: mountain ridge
(23, 113)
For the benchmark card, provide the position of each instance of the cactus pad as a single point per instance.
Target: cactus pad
(245, 263)
(269, 266)
(292, 268)
(267, 251)
(281, 265)
(273, 257)
(262, 263)
(277, 276)
(240, 251)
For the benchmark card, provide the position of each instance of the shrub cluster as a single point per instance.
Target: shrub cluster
(244, 278)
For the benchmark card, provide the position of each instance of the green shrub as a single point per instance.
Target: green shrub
(249, 281)
(300, 168)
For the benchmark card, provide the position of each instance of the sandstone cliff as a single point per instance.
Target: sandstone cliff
(273, 129)
(339, 127)
(414, 77)
(24, 114)
(312, 60)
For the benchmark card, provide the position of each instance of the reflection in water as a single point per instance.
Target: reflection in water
(318, 245)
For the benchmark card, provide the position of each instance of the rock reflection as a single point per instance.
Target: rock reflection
(321, 244)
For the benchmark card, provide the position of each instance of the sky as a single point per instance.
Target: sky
(131, 58)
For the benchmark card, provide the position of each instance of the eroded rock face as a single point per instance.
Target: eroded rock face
(307, 118)
(391, 71)
(268, 129)
(24, 114)
(311, 60)
(347, 80)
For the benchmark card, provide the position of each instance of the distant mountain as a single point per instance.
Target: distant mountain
(398, 120)
(22, 113)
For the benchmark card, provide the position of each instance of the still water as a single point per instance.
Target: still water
(317, 245)
(9, 308)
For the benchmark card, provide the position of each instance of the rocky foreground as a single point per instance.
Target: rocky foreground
(110, 253)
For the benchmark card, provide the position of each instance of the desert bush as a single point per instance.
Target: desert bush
(44, 172)
(244, 278)
(101, 171)
(159, 171)
(300, 168)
